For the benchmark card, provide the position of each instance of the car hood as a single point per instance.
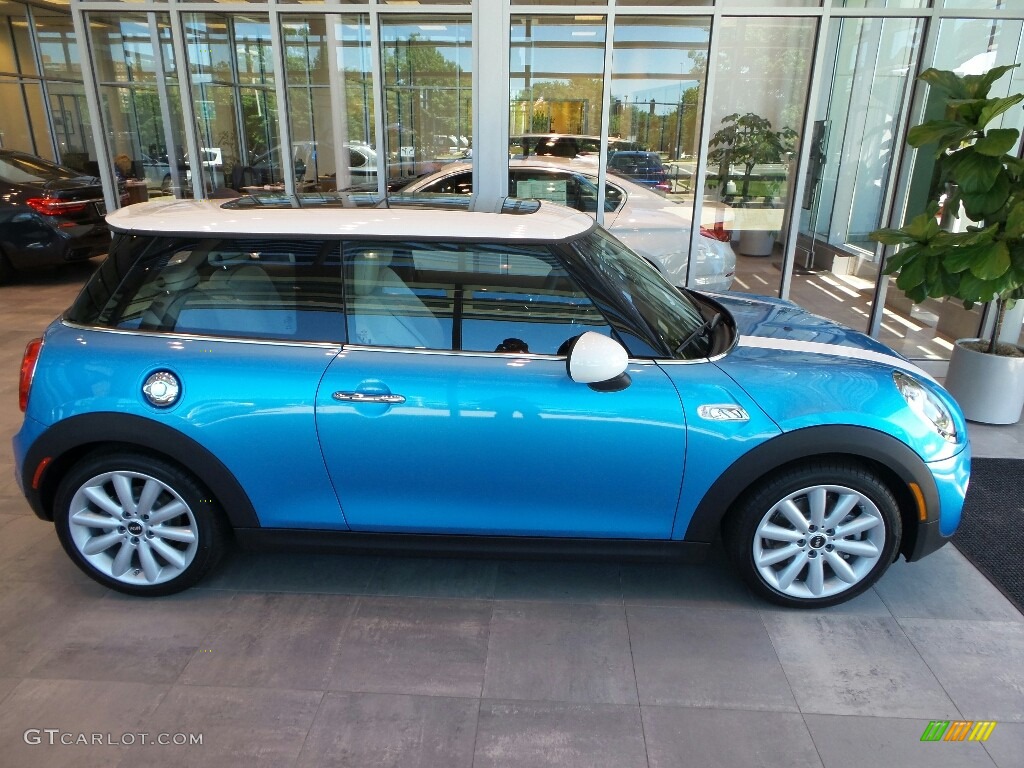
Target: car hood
(767, 318)
(804, 370)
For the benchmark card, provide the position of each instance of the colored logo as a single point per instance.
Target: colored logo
(958, 730)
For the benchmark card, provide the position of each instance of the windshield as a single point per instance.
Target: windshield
(669, 312)
(20, 169)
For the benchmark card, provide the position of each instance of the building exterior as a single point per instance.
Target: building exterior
(198, 96)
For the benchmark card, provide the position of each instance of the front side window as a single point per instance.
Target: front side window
(235, 287)
(664, 309)
(474, 298)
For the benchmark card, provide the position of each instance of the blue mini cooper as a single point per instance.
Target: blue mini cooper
(449, 381)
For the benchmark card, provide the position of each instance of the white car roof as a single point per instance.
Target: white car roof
(548, 222)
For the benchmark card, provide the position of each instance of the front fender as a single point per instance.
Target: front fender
(896, 463)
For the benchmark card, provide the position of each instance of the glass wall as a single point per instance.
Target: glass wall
(762, 77)
(427, 69)
(140, 102)
(858, 122)
(39, 63)
(556, 68)
(333, 145)
(234, 103)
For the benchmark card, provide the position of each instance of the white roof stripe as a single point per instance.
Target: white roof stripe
(836, 350)
(208, 217)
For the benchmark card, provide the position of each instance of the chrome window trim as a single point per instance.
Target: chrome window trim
(335, 345)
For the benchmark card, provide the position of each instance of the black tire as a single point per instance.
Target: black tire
(148, 555)
(818, 566)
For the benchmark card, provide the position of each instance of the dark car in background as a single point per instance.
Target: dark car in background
(49, 214)
(643, 168)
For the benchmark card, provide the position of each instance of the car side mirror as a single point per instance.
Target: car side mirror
(597, 361)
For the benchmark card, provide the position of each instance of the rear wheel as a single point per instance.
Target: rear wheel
(137, 524)
(816, 535)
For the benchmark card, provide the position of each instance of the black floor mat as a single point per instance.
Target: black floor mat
(991, 532)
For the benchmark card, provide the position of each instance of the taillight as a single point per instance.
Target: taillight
(28, 370)
(51, 207)
(719, 233)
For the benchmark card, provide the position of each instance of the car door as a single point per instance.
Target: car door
(451, 411)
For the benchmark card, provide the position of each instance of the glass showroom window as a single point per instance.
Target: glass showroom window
(133, 56)
(232, 71)
(858, 121)
(556, 72)
(966, 46)
(427, 68)
(761, 84)
(332, 144)
(659, 70)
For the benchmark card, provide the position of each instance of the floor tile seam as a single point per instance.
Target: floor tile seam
(778, 659)
(175, 684)
(476, 733)
(1009, 624)
(312, 723)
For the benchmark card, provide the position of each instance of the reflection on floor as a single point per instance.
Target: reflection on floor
(846, 299)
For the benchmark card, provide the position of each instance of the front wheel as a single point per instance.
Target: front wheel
(815, 535)
(137, 524)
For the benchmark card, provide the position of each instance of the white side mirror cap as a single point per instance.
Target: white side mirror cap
(596, 359)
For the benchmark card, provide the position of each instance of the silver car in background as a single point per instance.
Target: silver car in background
(647, 222)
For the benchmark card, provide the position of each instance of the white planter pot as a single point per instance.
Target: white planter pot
(754, 242)
(989, 388)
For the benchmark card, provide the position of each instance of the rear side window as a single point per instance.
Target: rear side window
(247, 288)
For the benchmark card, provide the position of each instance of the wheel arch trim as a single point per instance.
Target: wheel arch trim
(896, 462)
(62, 444)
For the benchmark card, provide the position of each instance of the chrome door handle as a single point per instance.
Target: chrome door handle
(364, 397)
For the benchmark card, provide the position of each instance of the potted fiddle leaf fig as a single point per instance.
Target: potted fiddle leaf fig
(977, 179)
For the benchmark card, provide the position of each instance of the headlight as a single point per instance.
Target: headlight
(926, 405)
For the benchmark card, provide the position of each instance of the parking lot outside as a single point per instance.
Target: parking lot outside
(311, 660)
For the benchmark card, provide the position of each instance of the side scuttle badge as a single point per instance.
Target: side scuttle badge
(726, 412)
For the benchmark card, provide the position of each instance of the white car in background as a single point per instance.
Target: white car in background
(650, 224)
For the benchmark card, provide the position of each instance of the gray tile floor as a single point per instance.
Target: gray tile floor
(289, 660)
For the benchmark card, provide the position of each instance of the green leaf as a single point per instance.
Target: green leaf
(972, 236)
(991, 262)
(890, 237)
(922, 227)
(976, 173)
(911, 275)
(979, 85)
(997, 142)
(980, 205)
(895, 262)
(945, 133)
(946, 81)
(961, 258)
(996, 107)
(974, 289)
(1015, 221)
